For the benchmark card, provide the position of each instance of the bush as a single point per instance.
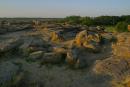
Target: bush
(121, 27)
(73, 19)
(87, 21)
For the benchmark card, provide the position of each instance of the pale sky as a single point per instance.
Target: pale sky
(63, 8)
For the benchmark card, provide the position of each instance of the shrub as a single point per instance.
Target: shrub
(121, 27)
(73, 19)
(87, 21)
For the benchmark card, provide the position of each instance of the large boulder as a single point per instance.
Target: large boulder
(88, 39)
(80, 37)
(72, 56)
(78, 57)
(81, 56)
(56, 36)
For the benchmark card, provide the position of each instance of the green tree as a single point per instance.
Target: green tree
(106, 20)
(126, 18)
(73, 19)
(122, 27)
(87, 21)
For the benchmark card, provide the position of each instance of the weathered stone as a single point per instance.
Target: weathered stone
(100, 28)
(2, 31)
(116, 67)
(85, 56)
(56, 37)
(59, 50)
(25, 50)
(72, 56)
(36, 55)
(80, 38)
(7, 27)
(75, 57)
(88, 39)
(10, 44)
(53, 58)
(33, 44)
(122, 47)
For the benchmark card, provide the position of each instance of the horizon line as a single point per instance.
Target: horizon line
(64, 17)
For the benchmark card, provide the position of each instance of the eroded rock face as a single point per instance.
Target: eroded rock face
(6, 26)
(81, 37)
(72, 56)
(10, 44)
(122, 47)
(33, 44)
(88, 39)
(86, 48)
(117, 66)
(56, 37)
(60, 50)
(53, 58)
(81, 57)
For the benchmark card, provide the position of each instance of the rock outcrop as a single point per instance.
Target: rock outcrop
(88, 39)
(56, 37)
(122, 47)
(117, 66)
(33, 44)
(6, 27)
(53, 58)
(10, 44)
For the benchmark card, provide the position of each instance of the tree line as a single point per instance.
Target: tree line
(101, 20)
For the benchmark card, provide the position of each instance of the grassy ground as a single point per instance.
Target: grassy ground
(110, 29)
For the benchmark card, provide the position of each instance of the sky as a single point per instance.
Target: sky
(63, 8)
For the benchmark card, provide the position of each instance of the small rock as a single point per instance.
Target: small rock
(36, 55)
